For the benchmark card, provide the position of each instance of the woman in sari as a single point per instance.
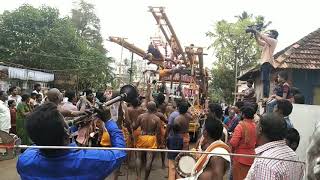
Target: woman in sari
(23, 109)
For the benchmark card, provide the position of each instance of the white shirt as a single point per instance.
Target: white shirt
(17, 98)
(5, 119)
(35, 91)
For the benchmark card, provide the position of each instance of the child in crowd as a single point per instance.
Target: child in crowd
(293, 138)
(281, 91)
(284, 108)
(175, 142)
(13, 113)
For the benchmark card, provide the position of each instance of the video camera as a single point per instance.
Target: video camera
(253, 29)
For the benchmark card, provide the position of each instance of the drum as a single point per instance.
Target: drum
(184, 164)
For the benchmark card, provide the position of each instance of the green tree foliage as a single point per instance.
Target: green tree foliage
(231, 44)
(88, 28)
(40, 38)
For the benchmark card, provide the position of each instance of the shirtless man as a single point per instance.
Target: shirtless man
(133, 112)
(183, 120)
(55, 96)
(216, 166)
(149, 138)
(161, 102)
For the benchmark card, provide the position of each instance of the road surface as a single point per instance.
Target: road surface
(8, 171)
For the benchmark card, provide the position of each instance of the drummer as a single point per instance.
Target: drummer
(149, 138)
(207, 165)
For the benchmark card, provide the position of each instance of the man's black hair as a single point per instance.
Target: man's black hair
(293, 136)
(216, 109)
(285, 106)
(247, 112)
(45, 126)
(299, 99)
(274, 33)
(38, 95)
(273, 126)
(25, 97)
(254, 105)
(70, 95)
(136, 102)
(250, 81)
(33, 94)
(88, 91)
(283, 74)
(160, 98)
(226, 111)
(183, 107)
(1, 93)
(239, 104)
(12, 89)
(35, 86)
(176, 128)
(214, 127)
(10, 102)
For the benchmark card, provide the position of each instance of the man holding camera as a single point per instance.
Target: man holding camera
(268, 42)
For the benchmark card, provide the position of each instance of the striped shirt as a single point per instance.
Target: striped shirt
(274, 169)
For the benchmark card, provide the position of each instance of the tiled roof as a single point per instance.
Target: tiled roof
(304, 54)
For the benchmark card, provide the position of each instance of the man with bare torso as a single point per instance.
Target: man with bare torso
(211, 166)
(150, 124)
(55, 96)
(134, 111)
(182, 120)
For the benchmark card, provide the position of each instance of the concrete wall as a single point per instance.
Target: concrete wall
(304, 119)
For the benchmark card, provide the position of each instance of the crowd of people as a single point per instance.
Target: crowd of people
(154, 121)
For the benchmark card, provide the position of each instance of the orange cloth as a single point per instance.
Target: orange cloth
(127, 137)
(136, 134)
(105, 140)
(164, 72)
(243, 141)
(239, 170)
(186, 141)
(203, 158)
(147, 141)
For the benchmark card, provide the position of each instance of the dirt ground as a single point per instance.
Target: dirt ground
(8, 171)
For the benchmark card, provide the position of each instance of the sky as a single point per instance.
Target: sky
(191, 19)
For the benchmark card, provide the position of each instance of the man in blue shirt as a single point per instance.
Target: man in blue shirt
(46, 127)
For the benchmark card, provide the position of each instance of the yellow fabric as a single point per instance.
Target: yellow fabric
(164, 72)
(136, 134)
(127, 136)
(105, 140)
(147, 141)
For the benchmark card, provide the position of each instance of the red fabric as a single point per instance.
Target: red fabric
(239, 170)
(238, 141)
(13, 115)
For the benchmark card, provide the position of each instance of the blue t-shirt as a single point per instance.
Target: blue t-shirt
(289, 124)
(175, 142)
(73, 163)
(172, 116)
